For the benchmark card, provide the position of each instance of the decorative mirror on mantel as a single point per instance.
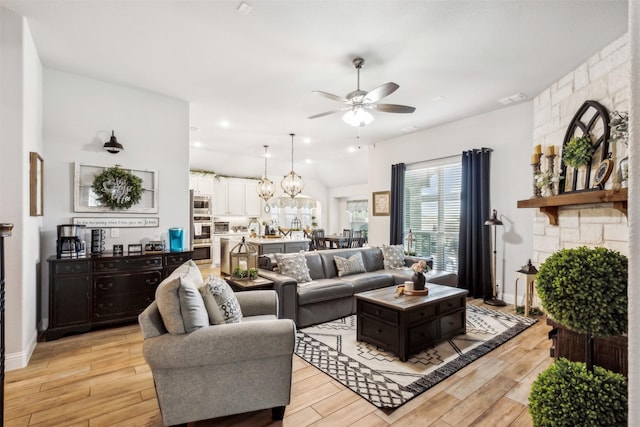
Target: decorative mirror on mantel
(591, 119)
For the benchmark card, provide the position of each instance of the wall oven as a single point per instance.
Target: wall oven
(202, 253)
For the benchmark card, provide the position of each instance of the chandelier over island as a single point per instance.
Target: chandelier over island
(292, 183)
(265, 187)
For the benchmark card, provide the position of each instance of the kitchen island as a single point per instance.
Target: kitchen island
(264, 246)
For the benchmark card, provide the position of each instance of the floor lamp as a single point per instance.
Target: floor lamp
(494, 221)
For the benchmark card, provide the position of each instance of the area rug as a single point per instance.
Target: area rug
(380, 377)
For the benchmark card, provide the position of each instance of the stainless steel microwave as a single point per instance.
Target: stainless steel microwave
(202, 205)
(220, 227)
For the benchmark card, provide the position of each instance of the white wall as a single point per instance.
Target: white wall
(508, 132)
(20, 124)
(338, 217)
(79, 114)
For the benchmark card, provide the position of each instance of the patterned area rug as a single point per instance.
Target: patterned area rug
(385, 381)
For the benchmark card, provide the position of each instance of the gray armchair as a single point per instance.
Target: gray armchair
(222, 369)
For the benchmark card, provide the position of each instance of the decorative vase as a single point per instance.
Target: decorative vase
(624, 171)
(418, 280)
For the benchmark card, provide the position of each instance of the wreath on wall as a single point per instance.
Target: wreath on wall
(117, 188)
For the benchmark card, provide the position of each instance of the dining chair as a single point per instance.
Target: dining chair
(356, 239)
(346, 242)
(318, 239)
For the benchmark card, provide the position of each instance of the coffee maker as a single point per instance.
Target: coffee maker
(70, 243)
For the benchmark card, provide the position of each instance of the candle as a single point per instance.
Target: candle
(551, 150)
(242, 264)
(537, 149)
(535, 159)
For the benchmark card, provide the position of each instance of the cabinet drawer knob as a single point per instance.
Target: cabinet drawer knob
(105, 286)
(379, 331)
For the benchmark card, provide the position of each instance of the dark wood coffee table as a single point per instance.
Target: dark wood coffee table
(407, 324)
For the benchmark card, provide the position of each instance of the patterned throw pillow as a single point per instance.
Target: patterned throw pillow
(352, 265)
(393, 257)
(294, 265)
(225, 300)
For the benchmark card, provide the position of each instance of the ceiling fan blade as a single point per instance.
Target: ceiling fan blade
(330, 96)
(326, 113)
(392, 108)
(380, 92)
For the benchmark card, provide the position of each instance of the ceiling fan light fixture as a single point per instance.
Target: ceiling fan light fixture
(358, 117)
(292, 183)
(266, 189)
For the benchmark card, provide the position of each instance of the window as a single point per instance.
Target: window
(432, 210)
(359, 213)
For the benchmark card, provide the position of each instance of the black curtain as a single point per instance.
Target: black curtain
(397, 204)
(474, 253)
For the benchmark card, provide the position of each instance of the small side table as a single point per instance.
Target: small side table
(249, 285)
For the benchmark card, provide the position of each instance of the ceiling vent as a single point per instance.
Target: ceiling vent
(518, 97)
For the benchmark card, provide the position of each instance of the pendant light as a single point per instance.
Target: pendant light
(292, 183)
(265, 188)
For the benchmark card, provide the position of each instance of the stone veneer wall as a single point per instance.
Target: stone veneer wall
(605, 77)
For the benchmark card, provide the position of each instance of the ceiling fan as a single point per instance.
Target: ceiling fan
(359, 101)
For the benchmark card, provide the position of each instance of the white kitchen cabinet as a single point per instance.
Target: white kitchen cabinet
(201, 183)
(235, 197)
(216, 251)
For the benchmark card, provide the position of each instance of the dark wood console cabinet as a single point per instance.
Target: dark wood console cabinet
(95, 291)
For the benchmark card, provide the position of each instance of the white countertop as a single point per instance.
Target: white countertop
(263, 241)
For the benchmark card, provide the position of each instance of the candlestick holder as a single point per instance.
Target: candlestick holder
(536, 172)
(550, 167)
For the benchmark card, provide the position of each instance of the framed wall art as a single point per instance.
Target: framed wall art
(381, 203)
(36, 190)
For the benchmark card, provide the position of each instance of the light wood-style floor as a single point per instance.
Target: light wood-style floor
(101, 379)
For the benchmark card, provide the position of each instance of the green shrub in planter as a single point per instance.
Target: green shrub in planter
(585, 289)
(567, 394)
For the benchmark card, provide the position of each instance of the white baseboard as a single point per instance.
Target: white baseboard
(21, 359)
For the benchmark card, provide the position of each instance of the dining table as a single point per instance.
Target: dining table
(335, 241)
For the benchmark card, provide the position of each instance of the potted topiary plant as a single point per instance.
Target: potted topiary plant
(584, 289)
(578, 151)
(568, 394)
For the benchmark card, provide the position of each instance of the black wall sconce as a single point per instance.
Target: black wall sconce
(113, 146)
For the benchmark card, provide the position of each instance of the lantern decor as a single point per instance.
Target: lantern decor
(410, 241)
(243, 261)
(528, 274)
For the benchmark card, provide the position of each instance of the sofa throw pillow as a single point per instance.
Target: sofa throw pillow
(294, 265)
(351, 265)
(194, 313)
(393, 257)
(168, 299)
(225, 299)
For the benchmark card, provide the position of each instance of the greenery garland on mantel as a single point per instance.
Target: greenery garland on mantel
(218, 176)
(117, 188)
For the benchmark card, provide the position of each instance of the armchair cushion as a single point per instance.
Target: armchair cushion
(294, 265)
(168, 299)
(393, 256)
(194, 313)
(351, 265)
(225, 300)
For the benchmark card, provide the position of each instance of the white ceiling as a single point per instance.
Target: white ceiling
(258, 71)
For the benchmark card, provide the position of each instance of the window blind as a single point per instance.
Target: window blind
(432, 210)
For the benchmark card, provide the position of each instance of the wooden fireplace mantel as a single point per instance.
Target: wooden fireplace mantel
(549, 205)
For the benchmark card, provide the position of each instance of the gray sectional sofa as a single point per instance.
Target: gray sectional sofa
(328, 296)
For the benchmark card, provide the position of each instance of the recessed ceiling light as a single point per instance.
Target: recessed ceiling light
(224, 123)
(244, 8)
(352, 149)
(518, 97)
(306, 140)
(409, 129)
(197, 144)
(308, 161)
